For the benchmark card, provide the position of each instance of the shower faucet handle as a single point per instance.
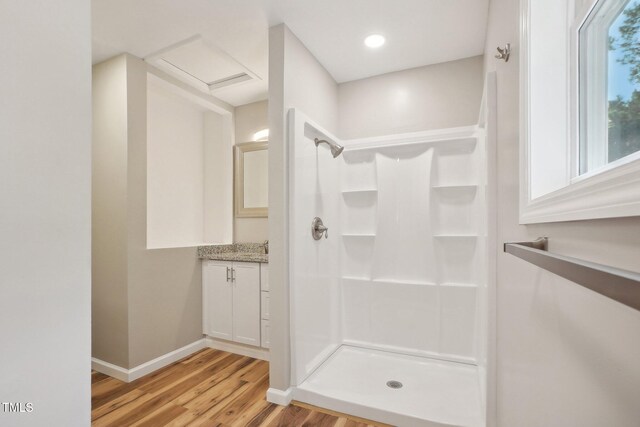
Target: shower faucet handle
(318, 229)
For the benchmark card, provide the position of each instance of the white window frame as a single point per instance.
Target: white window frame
(608, 192)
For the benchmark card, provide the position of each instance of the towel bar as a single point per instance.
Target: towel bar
(620, 285)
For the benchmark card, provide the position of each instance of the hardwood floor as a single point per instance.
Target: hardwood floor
(209, 388)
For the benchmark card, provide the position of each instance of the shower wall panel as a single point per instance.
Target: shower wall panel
(314, 267)
(403, 250)
(412, 220)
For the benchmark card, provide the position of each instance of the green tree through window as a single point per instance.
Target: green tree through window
(624, 112)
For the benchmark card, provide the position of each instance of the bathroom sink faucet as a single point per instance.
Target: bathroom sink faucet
(266, 246)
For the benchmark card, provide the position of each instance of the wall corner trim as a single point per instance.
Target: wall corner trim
(128, 375)
(279, 397)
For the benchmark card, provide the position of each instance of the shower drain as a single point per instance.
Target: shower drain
(394, 384)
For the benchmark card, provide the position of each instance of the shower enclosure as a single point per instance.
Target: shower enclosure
(390, 312)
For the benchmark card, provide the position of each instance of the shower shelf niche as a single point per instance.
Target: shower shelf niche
(458, 285)
(456, 236)
(397, 281)
(455, 211)
(360, 174)
(468, 187)
(357, 278)
(455, 165)
(449, 186)
(363, 192)
(357, 253)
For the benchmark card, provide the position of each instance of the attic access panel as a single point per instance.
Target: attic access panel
(201, 64)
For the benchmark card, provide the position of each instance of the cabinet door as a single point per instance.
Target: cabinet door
(217, 299)
(246, 303)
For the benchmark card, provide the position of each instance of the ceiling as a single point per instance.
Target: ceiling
(418, 32)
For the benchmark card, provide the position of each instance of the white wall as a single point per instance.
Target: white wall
(296, 79)
(165, 285)
(175, 170)
(548, 107)
(566, 356)
(249, 119)
(109, 294)
(160, 290)
(431, 97)
(45, 220)
(218, 178)
(189, 177)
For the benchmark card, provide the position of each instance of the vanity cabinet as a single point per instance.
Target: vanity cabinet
(231, 298)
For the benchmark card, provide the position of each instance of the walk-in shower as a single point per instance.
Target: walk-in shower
(389, 315)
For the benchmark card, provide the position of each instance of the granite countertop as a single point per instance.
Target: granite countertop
(246, 252)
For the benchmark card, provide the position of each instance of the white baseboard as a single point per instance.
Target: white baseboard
(241, 349)
(110, 369)
(279, 397)
(164, 360)
(128, 375)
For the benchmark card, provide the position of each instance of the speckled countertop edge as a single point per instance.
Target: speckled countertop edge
(245, 252)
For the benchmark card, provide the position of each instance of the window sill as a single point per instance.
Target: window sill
(611, 193)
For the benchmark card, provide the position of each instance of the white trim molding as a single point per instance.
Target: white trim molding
(128, 375)
(110, 369)
(435, 137)
(610, 194)
(279, 397)
(236, 348)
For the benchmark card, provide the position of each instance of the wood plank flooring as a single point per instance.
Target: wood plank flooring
(209, 388)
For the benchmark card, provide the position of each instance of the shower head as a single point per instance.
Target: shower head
(336, 149)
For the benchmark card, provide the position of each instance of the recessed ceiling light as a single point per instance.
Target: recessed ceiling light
(374, 40)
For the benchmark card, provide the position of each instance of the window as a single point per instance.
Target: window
(609, 73)
(580, 109)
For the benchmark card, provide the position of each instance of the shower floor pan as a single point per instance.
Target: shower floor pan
(433, 393)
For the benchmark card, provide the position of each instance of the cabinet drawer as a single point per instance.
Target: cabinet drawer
(264, 341)
(264, 277)
(264, 305)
